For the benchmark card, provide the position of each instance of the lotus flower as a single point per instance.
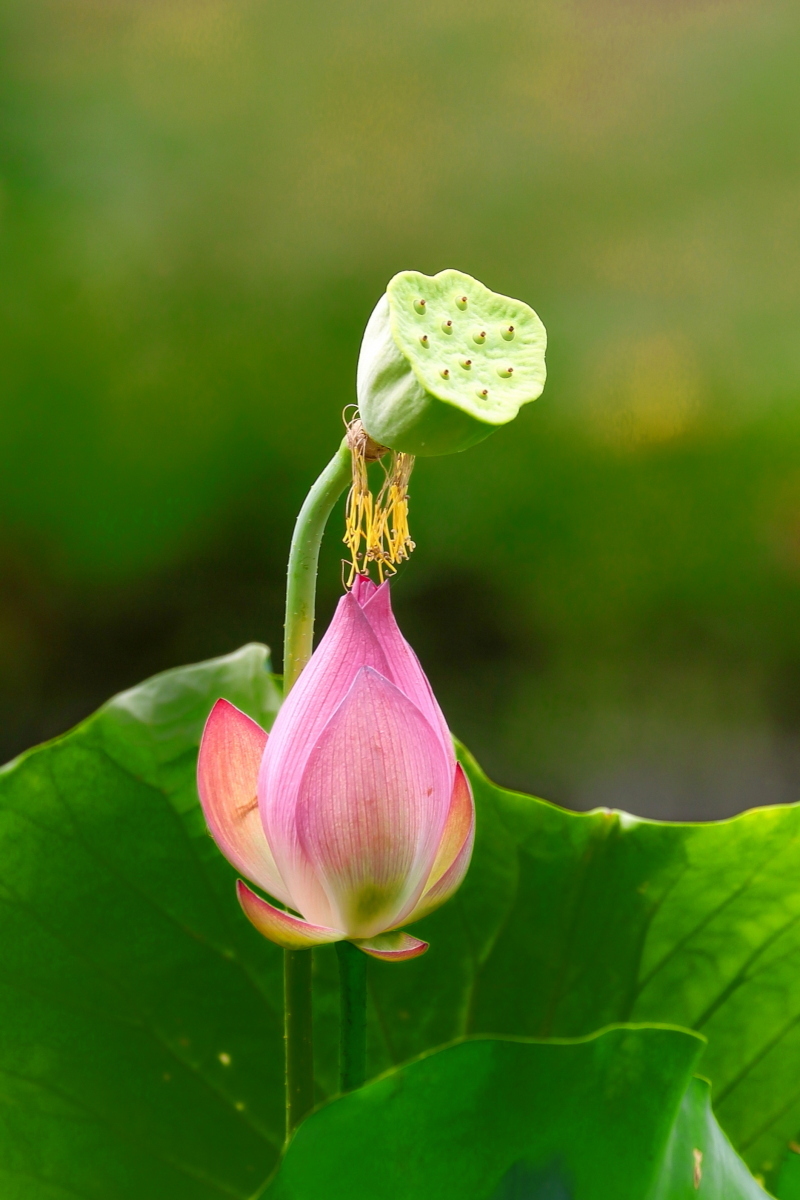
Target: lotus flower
(353, 813)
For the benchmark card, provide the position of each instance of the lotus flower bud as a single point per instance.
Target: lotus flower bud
(444, 362)
(353, 813)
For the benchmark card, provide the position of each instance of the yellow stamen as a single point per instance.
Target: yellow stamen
(376, 529)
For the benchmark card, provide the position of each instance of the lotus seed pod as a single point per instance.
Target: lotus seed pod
(444, 362)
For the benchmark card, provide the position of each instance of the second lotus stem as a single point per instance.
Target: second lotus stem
(353, 1016)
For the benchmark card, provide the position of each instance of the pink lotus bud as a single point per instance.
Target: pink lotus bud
(354, 812)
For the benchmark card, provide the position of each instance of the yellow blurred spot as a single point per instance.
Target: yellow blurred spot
(644, 392)
(778, 522)
(697, 1176)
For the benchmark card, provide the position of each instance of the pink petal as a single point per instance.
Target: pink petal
(281, 927)
(404, 667)
(363, 588)
(459, 828)
(454, 854)
(392, 947)
(231, 750)
(372, 805)
(348, 645)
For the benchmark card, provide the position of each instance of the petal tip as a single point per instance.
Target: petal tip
(283, 928)
(392, 947)
(362, 589)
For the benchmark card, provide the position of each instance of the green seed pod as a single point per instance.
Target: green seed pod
(415, 393)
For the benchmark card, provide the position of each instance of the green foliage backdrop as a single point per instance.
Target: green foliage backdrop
(201, 202)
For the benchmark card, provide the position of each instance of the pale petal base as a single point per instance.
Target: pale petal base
(293, 933)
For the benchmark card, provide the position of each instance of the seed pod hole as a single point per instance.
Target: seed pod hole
(447, 326)
(420, 306)
(480, 337)
(424, 341)
(508, 333)
(483, 393)
(445, 374)
(505, 372)
(466, 363)
(461, 302)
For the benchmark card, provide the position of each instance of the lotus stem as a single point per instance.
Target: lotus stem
(301, 587)
(298, 1032)
(301, 581)
(353, 1016)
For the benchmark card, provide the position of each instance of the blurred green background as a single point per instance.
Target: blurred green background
(201, 202)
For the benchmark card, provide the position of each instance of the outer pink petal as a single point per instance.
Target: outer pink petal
(459, 828)
(281, 927)
(372, 805)
(392, 947)
(231, 750)
(348, 645)
(404, 667)
(454, 854)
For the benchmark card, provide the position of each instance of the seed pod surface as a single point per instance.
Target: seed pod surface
(423, 403)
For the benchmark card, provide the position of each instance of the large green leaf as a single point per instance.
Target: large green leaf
(789, 1181)
(568, 922)
(140, 1031)
(140, 1022)
(614, 1117)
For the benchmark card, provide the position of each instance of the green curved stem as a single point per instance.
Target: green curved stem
(301, 581)
(353, 1016)
(298, 642)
